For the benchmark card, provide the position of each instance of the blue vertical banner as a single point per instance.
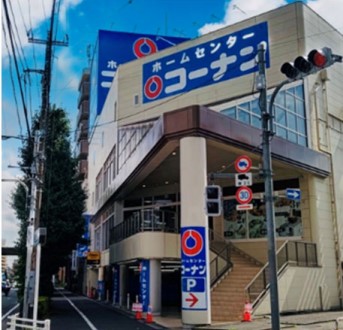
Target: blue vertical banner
(193, 268)
(115, 269)
(145, 284)
(228, 57)
(101, 290)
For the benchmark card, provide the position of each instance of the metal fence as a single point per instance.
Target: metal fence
(297, 253)
(15, 323)
(149, 219)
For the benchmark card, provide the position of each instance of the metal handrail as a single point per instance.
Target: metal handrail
(221, 264)
(295, 252)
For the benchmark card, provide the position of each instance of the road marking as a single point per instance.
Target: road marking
(10, 311)
(90, 324)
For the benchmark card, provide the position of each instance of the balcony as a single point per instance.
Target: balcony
(85, 77)
(83, 167)
(83, 111)
(84, 92)
(82, 131)
(82, 149)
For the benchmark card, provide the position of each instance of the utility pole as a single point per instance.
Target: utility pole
(267, 133)
(34, 245)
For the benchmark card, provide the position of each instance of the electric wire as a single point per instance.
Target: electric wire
(33, 49)
(20, 47)
(12, 79)
(16, 65)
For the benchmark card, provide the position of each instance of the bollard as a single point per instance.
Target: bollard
(128, 301)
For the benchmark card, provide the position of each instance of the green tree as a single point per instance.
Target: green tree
(63, 202)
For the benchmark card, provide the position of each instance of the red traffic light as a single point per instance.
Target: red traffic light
(319, 57)
(316, 60)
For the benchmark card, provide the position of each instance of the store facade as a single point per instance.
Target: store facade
(161, 135)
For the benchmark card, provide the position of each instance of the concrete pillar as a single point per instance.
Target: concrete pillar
(122, 284)
(155, 286)
(193, 177)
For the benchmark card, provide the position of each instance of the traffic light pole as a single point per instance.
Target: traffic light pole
(267, 132)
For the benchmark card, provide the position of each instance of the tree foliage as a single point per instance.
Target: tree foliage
(63, 201)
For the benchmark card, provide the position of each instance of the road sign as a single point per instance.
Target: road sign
(243, 179)
(243, 164)
(244, 195)
(293, 194)
(244, 207)
(194, 268)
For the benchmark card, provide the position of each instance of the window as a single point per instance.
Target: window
(289, 111)
(252, 224)
(97, 239)
(106, 234)
(136, 99)
(114, 162)
(98, 186)
(115, 111)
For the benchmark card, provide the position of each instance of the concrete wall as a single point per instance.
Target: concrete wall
(101, 142)
(146, 245)
(300, 289)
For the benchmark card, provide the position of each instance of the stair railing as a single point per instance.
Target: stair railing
(221, 263)
(302, 254)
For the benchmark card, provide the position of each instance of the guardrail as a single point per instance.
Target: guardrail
(297, 253)
(15, 323)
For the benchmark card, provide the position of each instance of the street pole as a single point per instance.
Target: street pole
(29, 239)
(267, 133)
(36, 294)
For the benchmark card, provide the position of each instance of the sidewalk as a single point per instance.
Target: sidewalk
(319, 321)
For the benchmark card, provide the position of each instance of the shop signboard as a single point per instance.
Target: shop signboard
(227, 57)
(115, 48)
(193, 268)
(93, 258)
(145, 284)
(115, 269)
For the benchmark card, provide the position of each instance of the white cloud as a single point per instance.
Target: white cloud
(67, 4)
(30, 15)
(65, 64)
(10, 224)
(238, 10)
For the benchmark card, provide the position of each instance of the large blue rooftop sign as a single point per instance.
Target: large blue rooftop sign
(221, 59)
(115, 48)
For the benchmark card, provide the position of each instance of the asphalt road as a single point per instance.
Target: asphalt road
(8, 305)
(74, 312)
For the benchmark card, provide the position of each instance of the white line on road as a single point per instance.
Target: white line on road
(90, 324)
(10, 311)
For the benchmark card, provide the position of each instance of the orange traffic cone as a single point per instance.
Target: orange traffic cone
(138, 315)
(247, 312)
(149, 315)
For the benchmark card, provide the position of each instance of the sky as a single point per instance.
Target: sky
(79, 21)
